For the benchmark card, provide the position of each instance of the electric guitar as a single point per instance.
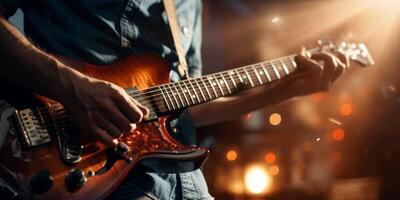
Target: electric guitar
(46, 157)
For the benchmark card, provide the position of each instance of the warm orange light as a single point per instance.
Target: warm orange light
(231, 155)
(346, 109)
(317, 97)
(275, 119)
(270, 157)
(338, 134)
(257, 179)
(273, 170)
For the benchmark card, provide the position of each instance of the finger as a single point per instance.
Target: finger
(104, 137)
(108, 126)
(118, 118)
(329, 62)
(128, 108)
(307, 64)
(343, 59)
(144, 109)
(339, 70)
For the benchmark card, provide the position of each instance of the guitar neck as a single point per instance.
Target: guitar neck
(182, 94)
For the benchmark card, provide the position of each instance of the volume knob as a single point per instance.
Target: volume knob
(75, 179)
(41, 182)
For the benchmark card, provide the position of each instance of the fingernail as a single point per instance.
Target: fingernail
(133, 127)
(115, 141)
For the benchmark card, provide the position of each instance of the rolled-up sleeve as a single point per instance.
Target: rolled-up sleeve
(10, 7)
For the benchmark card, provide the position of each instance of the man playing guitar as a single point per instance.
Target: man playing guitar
(101, 32)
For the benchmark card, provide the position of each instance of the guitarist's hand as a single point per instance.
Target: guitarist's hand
(316, 72)
(100, 108)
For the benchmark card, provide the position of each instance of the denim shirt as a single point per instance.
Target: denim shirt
(103, 31)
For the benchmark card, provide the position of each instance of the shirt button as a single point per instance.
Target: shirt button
(185, 30)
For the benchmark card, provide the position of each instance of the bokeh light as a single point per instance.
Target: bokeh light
(338, 134)
(231, 155)
(275, 119)
(257, 179)
(270, 157)
(273, 170)
(346, 109)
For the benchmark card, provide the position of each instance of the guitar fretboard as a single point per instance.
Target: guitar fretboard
(193, 91)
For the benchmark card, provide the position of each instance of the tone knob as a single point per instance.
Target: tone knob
(41, 182)
(75, 179)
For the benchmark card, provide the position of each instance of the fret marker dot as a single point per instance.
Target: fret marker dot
(260, 72)
(221, 81)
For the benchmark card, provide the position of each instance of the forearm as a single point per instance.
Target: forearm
(228, 108)
(27, 66)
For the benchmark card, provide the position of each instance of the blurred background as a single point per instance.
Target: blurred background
(342, 144)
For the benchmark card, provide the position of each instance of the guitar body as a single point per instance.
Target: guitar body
(29, 170)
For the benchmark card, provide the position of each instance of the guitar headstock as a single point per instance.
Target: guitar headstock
(356, 52)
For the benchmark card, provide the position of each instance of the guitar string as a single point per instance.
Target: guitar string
(208, 84)
(217, 79)
(62, 117)
(284, 59)
(269, 68)
(155, 103)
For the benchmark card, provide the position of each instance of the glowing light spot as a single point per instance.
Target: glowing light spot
(338, 134)
(318, 139)
(275, 19)
(273, 170)
(270, 157)
(257, 179)
(231, 155)
(317, 97)
(346, 109)
(275, 119)
(247, 116)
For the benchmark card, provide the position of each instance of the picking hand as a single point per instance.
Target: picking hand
(101, 109)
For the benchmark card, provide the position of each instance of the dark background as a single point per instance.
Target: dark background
(314, 158)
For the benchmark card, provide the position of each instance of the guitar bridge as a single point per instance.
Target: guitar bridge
(31, 128)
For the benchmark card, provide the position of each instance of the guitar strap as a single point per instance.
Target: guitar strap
(170, 9)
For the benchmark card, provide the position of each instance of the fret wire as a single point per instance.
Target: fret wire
(219, 85)
(226, 83)
(261, 73)
(258, 76)
(280, 69)
(179, 96)
(275, 70)
(201, 90)
(195, 97)
(266, 72)
(293, 62)
(165, 99)
(183, 91)
(238, 74)
(177, 106)
(284, 67)
(205, 85)
(212, 87)
(249, 77)
(231, 77)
